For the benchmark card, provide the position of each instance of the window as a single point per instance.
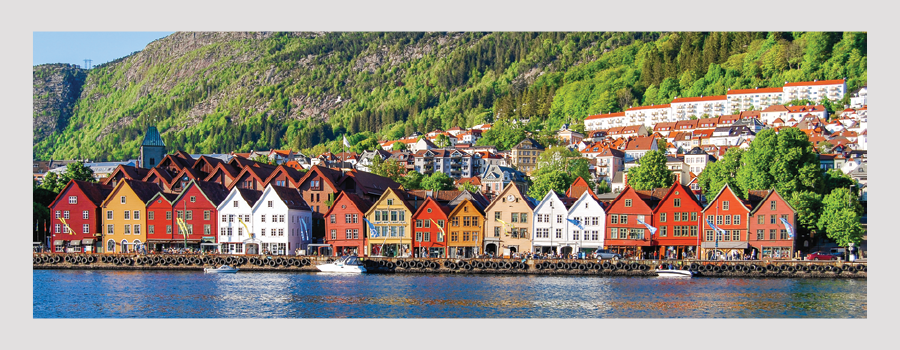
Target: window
(677, 202)
(760, 235)
(718, 219)
(709, 235)
(467, 221)
(225, 218)
(772, 219)
(73, 200)
(347, 219)
(524, 217)
(559, 219)
(190, 215)
(56, 228)
(419, 223)
(662, 217)
(440, 223)
(109, 215)
(772, 234)
(427, 223)
(736, 235)
(332, 218)
(206, 215)
(497, 216)
(193, 199)
(122, 199)
(169, 215)
(627, 203)
(169, 229)
(127, 215)
(724, 205)
(623, 219)
(559, 233)
(390, 202)
(454, 237)
(760, 219)
(737, 220)
(393, 215)
(262, 232)
(784, 216)
(230, 217)
(111, 246)
(418, 236)
(206, 229)
(127, 230)
(137, 229)
(355, 219)
(440, 237)
(613, 219)
(662, 231)
(497, 231)
(514, 217)
(270, 204)
(727, 219)
(235, 204)
(772, 205)
(614, 233)
(109, 229)
(784, 234)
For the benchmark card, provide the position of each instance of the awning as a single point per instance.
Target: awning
(87, 241)
(725, 245)
(59, 242)
(208, 239)
(75, 242)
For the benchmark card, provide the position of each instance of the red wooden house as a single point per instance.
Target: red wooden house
(345, 229)
(729, 213)
(284, 176)
(78, 204)
(253, 178)
(181, 179)
(676, 218)
(206, 165)
(196, 205)
(624, 234)
(159, 176)
(125, 172)
(768, 235)
(161, 222)
(224, 174)
(429, 221)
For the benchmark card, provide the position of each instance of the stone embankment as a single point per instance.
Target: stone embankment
(736, 268)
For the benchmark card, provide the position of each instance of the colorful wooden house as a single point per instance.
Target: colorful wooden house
(282, 220)
(76, 217)
(729, 214)
(625, 234)
(431, 231)
(677, 219)
(237, 234)
(161, 223)
(550, 227)
(508, 222)
(769, 236)
(197, 207)
(391, 218)
(589, 216)
(345, 228)
(124, 216)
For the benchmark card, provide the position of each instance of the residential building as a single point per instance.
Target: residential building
(524, 155)
(703, 106)
(729, 213)
(465, 229)
(197, 206)
(283, 221)
(754, 99)
(507, 225)
(124, 216)
(676, 219)
(815, 90)
(649, 115)
(589, 216)
(237, 234)
(76, 217)
(391, 216)
(550, 225)
(345, 228)
(768, 235)
(624, 233)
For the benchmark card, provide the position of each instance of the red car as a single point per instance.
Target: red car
(820, 256)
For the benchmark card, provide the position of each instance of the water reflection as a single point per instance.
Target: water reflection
(92, 294)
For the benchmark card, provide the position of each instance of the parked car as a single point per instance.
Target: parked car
(820, 255)
(607, 254)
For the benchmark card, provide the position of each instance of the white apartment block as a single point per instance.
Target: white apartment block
(815, 90)
(709, 106)
(649, 115)
(754, 99)
(604, 121)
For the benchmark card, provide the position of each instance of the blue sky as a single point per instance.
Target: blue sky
(99, 47)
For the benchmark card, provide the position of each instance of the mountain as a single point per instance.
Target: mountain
(212, 92)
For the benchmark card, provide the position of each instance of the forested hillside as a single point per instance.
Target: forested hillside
(222, 92)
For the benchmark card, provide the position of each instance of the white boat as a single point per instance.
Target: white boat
(674, 273)
(347, 264)
(221, 269)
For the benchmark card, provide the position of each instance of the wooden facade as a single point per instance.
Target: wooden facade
(623, 232)
(677, 219)
(345, 228)
(78, 204)
(392, 218)
(508, 222)
(729, 213)
(767, 234)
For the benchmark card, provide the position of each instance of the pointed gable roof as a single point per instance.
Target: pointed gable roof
(94, 192)
(144, 190)
(152, 138)
(292, 174)
(260, 174)
(587, 196)
(361, 204)
(161, 174)
(168, 197)
(214, 192)
(291, 197)
(431, 201)
(126, 172)
(675, 187)
(646, 197)
(330, 176)
(745, 205)
(513, 187)
(578, 187)
(368, 182)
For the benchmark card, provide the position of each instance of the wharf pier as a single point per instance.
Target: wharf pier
(605, 267)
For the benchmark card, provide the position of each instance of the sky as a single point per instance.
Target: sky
(99, 47)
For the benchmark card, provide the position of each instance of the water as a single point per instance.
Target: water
(165, 294)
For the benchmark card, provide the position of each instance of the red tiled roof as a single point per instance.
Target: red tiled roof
(648, 107)
(820, 82)
(699, 99)
(755, 91)
(601, 116)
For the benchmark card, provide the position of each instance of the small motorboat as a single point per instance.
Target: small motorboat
(674, 273)
(346, 264)
(221, 269)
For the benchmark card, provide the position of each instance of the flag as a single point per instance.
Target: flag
(788, 227)
(576, 223)
(183, 227)
(373, 231)
(438, 226)
(651, 228)
(504, 224)
(346, 143)
(245, 226)
(67, 225)
(716, 229)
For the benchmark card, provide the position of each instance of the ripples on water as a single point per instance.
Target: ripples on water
(102, 294)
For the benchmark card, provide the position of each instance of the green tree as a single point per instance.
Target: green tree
(808, 205)
(468, 186)
(437, 181)
(503, 135)
(442, 141)
(398, 146)
(412, 180)
(548, 180)
(784, 161)
(834, 178)
(651, 172)
(369, 144)
(844, 227)
(52, 182)
(724, 171)
(390, 168)
(263, 159)
(603, 187)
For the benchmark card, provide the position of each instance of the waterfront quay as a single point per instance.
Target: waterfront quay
(608, 267)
